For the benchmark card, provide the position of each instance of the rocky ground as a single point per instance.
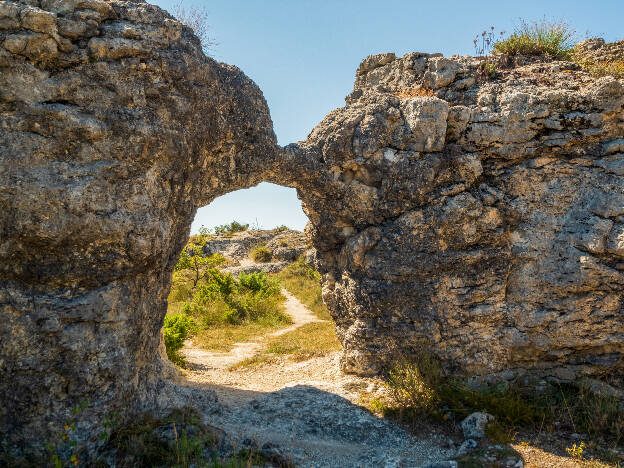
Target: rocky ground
(310, 412)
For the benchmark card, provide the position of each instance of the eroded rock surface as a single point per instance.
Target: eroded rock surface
(482, 220)
(114, 128)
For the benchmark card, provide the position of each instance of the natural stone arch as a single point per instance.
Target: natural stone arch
(483, 220)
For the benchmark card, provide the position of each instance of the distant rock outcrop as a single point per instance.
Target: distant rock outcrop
(480, 219)
(284, 246)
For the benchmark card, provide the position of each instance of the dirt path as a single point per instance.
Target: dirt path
(310, 410)
(204, 360)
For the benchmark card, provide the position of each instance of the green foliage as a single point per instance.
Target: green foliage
(222, 300)
(260, 254)
(231, 228)
(543, 38)
(418, 387)
(177, 329)
(260, 283)
(194, 262)
(576, 450)
(487, 69)
(281, 228)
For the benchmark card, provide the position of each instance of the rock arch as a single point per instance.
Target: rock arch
(484, 219)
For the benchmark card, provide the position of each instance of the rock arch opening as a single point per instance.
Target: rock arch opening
(484, 217)
(240, 284)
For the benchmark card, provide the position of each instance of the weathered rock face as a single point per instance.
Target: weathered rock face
(114, 128)
(483, 219)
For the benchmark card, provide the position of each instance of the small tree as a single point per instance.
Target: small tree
(191, 259)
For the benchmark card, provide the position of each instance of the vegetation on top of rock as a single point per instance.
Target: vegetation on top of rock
(196, 19)
(543, 38)
(231, 228)
(600, 58)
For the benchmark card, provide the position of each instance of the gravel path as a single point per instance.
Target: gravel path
(309, 410)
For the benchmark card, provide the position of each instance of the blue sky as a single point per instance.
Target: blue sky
(303, 55)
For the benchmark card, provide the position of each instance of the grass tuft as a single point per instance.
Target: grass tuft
(540, 38)
(260, 254)
(419, 388)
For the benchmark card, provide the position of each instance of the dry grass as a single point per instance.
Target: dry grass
(303, 282)
(414, 92)
(222, 338)
(310, 340)
(613, 68)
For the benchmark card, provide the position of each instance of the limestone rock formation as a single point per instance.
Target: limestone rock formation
(114, 128)
(284, 244)
(480, 219)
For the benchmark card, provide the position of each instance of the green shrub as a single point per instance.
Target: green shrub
(259, 282)
(231, 228)
(176, 330)
(419, 387)
(260, 254)
(223, 298)
(543, 38)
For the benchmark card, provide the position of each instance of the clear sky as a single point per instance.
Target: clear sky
(303, 54)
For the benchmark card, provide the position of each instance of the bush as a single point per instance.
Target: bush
(543, 38)
(260, 254)
(223, 298)
(259, 282)
(197, 20)
(176, 330)
(231, 228)
(418, 387)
